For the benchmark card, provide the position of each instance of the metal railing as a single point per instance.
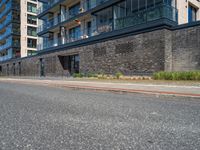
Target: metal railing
(64, 17)
(147, 15)
(10, 43)
(2, 2)
(50, 4)
(9, 5)
(83, 34)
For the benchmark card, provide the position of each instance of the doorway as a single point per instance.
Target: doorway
(42, 73)
(70, 63)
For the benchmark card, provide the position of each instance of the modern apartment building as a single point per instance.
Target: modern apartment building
(188, 11)
(64, 22)
(108, 36)
(18, 28)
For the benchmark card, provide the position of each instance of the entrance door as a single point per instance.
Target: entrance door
(70, 63)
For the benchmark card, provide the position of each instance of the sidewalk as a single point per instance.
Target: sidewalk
(152, 88)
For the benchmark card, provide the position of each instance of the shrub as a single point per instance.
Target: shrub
(189, 75)
(78, 75)
(118, 75)
(92, 75)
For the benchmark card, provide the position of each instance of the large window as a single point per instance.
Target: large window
(31, 19)
(31, 52)
(32, 43)
(32, 31)
(74, 10)
(75, 33)
(134, 12)
(31, 7)
(104, 20)
(192, 14)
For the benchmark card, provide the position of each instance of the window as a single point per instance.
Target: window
(70, 63)
(192, 14)
(74, 10)
(89, 28)
(32, 43)
(31, 7)
(104, 20)
(32, 19)
(31, 52)
(75, 33)
(32, 31)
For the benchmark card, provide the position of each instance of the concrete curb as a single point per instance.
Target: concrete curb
(96, 88)
(119, 90)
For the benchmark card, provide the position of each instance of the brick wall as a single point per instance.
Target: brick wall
(145, 53)
(186, 49)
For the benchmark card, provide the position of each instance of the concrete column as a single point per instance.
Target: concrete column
(82, 6)
(83, 32)
(63, 13)
(63, 34)
(168, 51)
(10, 53)
(94, 25)
(55, 41)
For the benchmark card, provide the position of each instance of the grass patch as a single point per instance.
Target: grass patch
(177, 76)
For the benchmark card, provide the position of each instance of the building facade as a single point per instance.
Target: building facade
(18, 28)
(108, 36)
(188, 11)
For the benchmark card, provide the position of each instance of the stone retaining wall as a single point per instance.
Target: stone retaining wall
(145, 53)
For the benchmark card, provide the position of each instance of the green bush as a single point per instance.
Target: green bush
(92, 75)
(118, 75)
(78, 75)
(189, 75)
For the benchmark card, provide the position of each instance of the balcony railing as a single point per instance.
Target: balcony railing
(141, 17)
(162, 11)
(2, 2)
(6, 57)
(9, 43)
(51, 3)
(9, 5)
(84, 34)
(9, 30)
(66, 16)
(46, 6)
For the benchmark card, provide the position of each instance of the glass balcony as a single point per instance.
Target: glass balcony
(10, 43)
(6, 33)
(9, 18)
(46, 6)
(86, 3)
(10, 5)
(2, 2)
(137, 18)
(6, 21)
(66, 16)
(76, 36)
(10, 30)
(147, 15)
(7, 56)
(4, 58)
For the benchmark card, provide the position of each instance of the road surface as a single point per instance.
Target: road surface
(34, 117)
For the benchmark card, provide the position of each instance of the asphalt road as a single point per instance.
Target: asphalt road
(47, 118)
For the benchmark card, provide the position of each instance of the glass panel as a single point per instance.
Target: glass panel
(142, 4)
(104, 20)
